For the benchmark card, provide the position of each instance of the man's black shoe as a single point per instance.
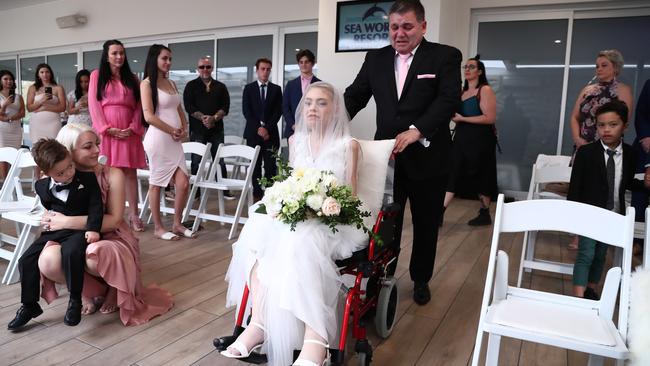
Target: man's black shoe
(482, 219)
(228, 196)
(421, 293)
(590, 294)
(24, 315)
(73, 314)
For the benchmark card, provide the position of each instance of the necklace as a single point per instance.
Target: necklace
(207, 86)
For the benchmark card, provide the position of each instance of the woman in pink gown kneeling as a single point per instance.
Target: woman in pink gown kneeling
(113, 263)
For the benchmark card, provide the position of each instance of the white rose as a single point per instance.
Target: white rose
(290, 207)
(329, 180)
(315, 201)
(331, 207)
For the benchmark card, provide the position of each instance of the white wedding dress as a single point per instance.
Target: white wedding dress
(296, 270)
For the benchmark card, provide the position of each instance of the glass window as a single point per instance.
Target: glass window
(64, 67)
(236, 67)
(91, 59)
(292, 44)
(27, 72)
(521, 58)
(622, 34)
(137, 56)
(184, 60)
(10, 65)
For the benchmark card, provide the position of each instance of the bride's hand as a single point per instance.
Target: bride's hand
(52, 221)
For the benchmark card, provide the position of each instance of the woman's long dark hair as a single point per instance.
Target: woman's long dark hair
(126, 76)
(7, 72)
(38, 82)
(78, 92)
(482, 78)
(151, 71)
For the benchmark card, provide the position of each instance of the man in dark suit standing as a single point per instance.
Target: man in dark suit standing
(416, 85)
(296, 88)
(262, 107)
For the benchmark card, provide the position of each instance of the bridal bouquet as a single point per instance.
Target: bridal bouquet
(297, 195)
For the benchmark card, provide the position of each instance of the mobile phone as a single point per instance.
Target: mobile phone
(48, 90)
(12, 92)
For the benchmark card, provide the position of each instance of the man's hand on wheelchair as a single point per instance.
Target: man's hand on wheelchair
(406, 138)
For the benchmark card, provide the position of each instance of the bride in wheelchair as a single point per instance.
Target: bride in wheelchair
(293, 280)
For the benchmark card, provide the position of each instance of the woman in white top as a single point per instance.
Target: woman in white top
(78, 99)
(12, 110)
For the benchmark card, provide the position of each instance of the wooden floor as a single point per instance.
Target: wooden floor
(440, 333)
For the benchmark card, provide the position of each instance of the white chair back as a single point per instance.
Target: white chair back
(12, 189)
(247, 156)
(371, 175)
(547, 318)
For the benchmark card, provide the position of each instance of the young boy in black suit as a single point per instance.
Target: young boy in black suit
(72, 193)
(602, 171)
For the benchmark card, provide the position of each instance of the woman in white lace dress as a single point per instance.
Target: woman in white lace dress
(292, 277)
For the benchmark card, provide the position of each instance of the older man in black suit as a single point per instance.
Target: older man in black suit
(262, 107)
(416, 85)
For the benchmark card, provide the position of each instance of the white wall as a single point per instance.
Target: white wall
(35, 26)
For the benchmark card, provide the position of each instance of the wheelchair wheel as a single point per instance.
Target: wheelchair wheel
(386, 307)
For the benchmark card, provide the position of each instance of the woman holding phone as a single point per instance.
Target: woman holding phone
(45, 102)
(12, 110)
(78, 99)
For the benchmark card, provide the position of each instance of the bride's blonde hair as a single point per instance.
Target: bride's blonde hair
(69, 134)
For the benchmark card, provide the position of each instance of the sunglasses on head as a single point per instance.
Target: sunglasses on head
(208, 67)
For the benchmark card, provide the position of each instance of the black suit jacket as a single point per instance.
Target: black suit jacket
(270, 115)
(291, 99)
(589, 176)
(430, 96)
(84, 198)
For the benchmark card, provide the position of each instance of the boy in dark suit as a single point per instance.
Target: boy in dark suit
(602, 171)
(262, 108)
(72, 193)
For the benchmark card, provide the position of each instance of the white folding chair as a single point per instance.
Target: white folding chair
(551, 319)
(8, 155)
(198, 148)
(17, 207)
(547, 169)
(245, 153)
(234, 165)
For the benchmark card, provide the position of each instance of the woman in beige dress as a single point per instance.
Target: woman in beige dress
(45, 102)
(161, 105)
(12, 110)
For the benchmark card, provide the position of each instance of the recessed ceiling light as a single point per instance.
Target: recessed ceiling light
(297, 49)
(208, 56)
(135, 60)
(557, 41)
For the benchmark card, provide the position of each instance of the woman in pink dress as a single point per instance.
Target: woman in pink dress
(113, 263)
(114, 104)
(161, 104)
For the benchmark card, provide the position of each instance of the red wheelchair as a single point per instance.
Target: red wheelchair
(373, 297)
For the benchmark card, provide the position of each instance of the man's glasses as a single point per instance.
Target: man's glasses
(204, 67)
(469, 67)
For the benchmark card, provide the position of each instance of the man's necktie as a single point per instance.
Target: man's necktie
(263, 93)
(402, 70)
(611, 172)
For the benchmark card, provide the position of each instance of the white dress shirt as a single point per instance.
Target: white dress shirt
(62, 195)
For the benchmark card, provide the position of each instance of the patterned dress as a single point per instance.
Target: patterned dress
(595, 96)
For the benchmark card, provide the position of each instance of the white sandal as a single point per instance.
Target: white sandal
(241, 348)
(305, 362)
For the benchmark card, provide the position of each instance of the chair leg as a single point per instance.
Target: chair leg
(222, 206)
(492, 354)
(145, 206)
(240, 207)
(201, 210)
(476, 354)
(524, 247)
(595, 360)
(530, 251)
(188, 206)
